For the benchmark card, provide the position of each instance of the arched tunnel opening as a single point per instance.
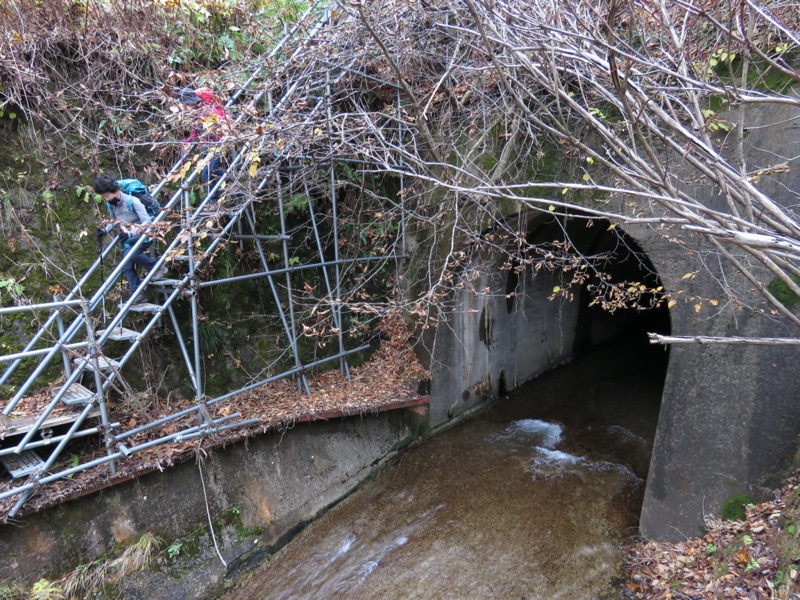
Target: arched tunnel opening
(606, 272)
(606, 395)
(603, 271)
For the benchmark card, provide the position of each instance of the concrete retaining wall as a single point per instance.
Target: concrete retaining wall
(488, 346)
(259, 493)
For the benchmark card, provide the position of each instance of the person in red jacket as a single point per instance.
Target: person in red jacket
(210, 121)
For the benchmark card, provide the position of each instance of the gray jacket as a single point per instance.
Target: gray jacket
(128, 215)
(129, 211)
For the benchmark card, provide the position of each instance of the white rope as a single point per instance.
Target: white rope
(208, 512)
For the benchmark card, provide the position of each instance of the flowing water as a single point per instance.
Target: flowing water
(534, 498)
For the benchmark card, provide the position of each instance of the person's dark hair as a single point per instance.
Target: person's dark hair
(105, 184)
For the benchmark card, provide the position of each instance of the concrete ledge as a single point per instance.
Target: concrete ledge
(274, 484)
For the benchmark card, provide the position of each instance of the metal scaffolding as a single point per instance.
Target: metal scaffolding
(77, 329)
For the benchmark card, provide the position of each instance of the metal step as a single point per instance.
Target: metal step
(165, 282)
(105, 363)
(20, 465)
(119, 334)
(76, 395)
(145, 307)
(22, 425)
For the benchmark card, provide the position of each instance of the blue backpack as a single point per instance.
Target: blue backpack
(134, 187)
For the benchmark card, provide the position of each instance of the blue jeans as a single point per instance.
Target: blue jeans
(134, 259)
(210, 174)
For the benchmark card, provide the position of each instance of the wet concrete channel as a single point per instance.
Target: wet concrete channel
(534, 497)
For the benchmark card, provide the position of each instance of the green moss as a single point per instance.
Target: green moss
(783, 294)
(232, 517)
(733, 508)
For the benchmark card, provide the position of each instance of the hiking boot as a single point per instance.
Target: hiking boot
(141, 298)
(159, 274)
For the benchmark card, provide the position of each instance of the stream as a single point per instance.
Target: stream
(533, 498)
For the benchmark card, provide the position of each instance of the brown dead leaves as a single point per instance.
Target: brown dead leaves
(754, 559)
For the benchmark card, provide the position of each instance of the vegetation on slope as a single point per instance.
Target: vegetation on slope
(755, 557)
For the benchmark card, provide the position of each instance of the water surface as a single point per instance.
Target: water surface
(534, 498)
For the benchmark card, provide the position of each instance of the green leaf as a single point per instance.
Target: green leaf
(556, 289)
(551, 208)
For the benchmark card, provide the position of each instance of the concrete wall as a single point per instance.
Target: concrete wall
(486, 343)
(730, 419)
(273, 484)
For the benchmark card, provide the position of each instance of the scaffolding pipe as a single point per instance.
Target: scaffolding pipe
(98, 386)
(7, 310)
(305, 78)
(181, 343)
(196, 346)
(41, 351)
(337, 295)
(52, 440)
(64, 352)
(51, 319)
(343, 261)
(293, 338)
(270, 280)
(320, 251)
(26, 488)
(193, 409)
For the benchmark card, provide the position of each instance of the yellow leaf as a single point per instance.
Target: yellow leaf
(564, 191)
(556, 289)
(586, 177)
(690, 275)
(551, 208)
(612, 226)
(253, 169)
(713, 302)
(671, 303)
(318, 131)
(698, 306)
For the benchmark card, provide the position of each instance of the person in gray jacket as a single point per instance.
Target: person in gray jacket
(128, 214)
